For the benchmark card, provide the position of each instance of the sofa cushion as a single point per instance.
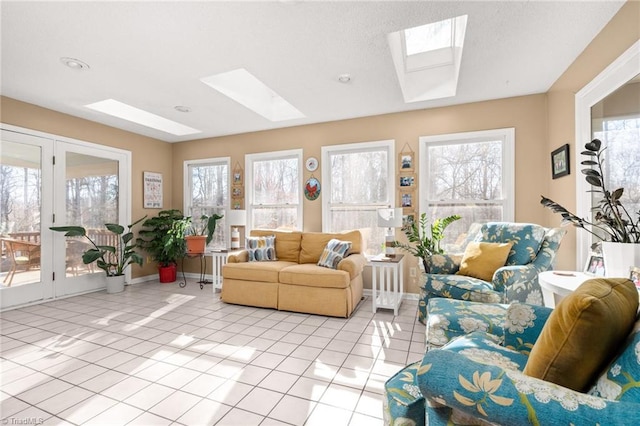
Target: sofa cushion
(261, 249)
(287, 243)
(313, 244)
(584, 332)
(481, 260)
(333, 253)
(311, 275)
(255, 271)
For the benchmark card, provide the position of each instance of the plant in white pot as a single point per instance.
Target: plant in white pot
(615, 228)
(113, 260)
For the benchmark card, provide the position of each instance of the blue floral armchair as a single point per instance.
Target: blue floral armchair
(477, 378)
(533, 251)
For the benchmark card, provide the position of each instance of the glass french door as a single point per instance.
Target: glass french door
(46, 182)
(25, 272)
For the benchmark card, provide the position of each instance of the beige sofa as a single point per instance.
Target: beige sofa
(294, 282)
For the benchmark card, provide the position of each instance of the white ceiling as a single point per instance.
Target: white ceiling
(152, 55)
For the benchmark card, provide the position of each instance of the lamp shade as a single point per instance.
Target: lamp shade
(236, 217)
(390, 218)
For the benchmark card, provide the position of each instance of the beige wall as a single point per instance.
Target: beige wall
(615, 38)
(542, 122)
(147, 154)
(527, 114)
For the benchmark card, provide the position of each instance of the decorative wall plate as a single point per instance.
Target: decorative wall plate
(311, 164)
(312, 189)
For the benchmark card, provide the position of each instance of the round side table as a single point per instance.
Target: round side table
(557, 284)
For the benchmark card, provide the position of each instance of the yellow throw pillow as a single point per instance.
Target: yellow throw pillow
(584, 332)
(481, 260)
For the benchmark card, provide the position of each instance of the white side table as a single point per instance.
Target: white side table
(557, 284)
(219, 259)
(387, 282)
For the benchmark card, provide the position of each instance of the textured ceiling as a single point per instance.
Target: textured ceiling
(152, 55)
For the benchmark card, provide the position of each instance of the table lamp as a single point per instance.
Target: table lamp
(236, 218)
(389, 218)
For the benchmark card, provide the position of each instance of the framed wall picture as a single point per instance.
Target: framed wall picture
(595, 266)
(152, 190)
(408, 219)
(407, 181)
(407, 161)
(406, 199)
(237, 191)
(560, 162)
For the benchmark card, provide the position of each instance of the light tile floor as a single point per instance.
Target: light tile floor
(159, 354)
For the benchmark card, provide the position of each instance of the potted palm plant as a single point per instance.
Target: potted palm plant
(200, 233)
(113, 260)
(424, 243)
(162, 237)
(616, 230)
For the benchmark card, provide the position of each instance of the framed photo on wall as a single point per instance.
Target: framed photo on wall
(407, 181)
(407, 161)
(560, 162)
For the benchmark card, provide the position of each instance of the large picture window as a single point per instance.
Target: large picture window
(274, 189)
(470, 174)
(207, 193)
(358, 179)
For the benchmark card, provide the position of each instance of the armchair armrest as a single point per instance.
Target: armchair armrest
(504, 396)
(240, 257)
(507, 276)
(353, 264)
(444, 263)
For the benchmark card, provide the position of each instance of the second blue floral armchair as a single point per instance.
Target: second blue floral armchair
(533, 251)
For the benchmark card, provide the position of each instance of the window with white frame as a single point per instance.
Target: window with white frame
(274, 190)
(207, 193)
(469, 174)
(358, 179)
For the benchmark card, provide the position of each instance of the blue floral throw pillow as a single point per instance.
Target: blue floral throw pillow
(333, 253)
(261, 248)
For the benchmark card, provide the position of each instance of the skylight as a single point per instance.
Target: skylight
(244, 88)
(138, 116)
(427, 58)
(426, 38)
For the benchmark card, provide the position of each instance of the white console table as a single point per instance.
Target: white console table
(387, 282)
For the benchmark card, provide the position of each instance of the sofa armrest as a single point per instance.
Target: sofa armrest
(240, 257)
(523, 324)
(353, 264)
(507, 276)
(505, 396)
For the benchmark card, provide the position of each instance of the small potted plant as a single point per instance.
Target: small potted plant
(162, 237)
(200, 233)
(113, 260)
(423, 244)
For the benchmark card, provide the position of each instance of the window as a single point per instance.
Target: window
(358, 179)
(621, 138)
(207, 193)
(470, 174)
(274, 190)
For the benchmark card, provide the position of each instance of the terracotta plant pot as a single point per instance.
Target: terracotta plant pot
(196, 244)
(167, 273)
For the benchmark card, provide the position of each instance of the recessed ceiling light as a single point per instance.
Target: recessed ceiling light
(182, 108)
(136, 115)
(75, 64)
(244, 88)
(344, 78)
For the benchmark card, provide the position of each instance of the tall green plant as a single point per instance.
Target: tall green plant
(611, 220)
(113, 260)
(162, 236)
(424, 239)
